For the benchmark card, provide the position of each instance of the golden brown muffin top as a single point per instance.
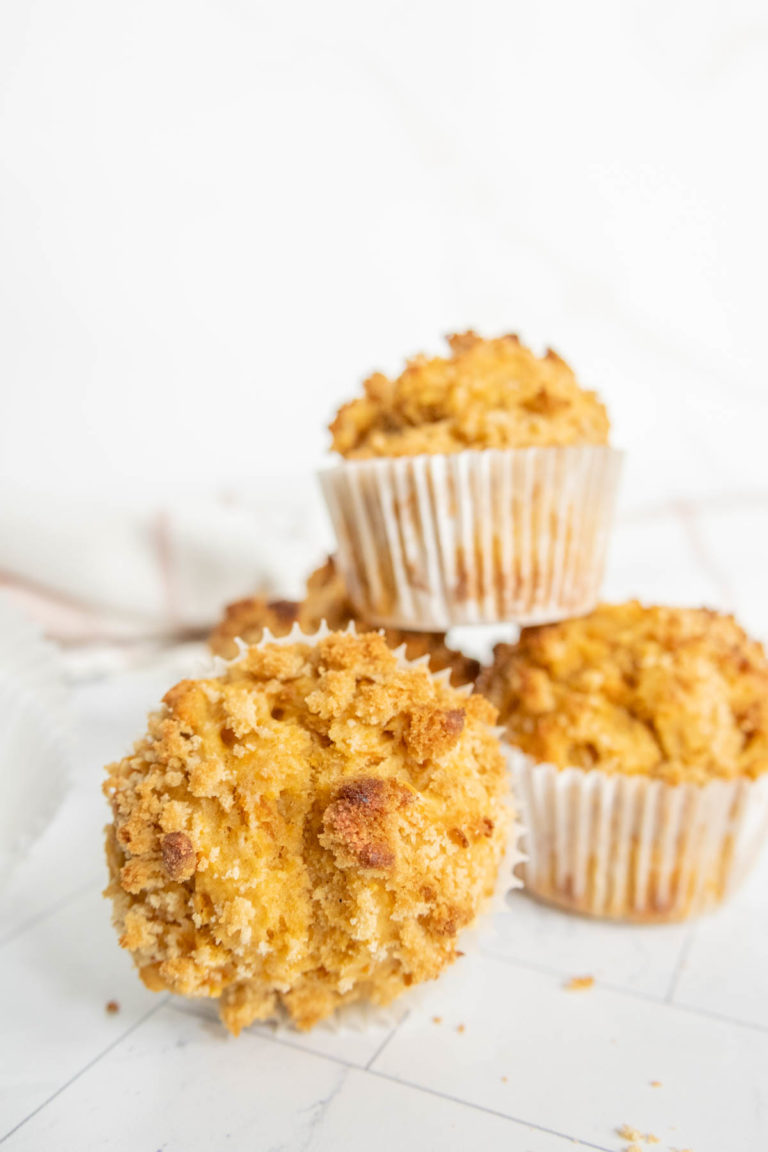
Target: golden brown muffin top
(313, 826)
(327, 599)
(675, 693)
(486, 394)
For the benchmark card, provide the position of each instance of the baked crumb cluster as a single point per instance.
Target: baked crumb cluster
(327, 599)
(315, 826)
(486, 394)
(677, 694)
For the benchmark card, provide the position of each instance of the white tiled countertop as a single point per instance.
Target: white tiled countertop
(497, 1053)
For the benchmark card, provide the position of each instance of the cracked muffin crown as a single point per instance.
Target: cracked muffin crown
(680, 694)
(314, 826)
(486, 394)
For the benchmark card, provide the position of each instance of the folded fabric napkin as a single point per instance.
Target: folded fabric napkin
(35, 738)
(96, 572)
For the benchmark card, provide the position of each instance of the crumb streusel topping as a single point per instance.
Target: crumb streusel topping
(486, 394)
(314, 826)
(327, 599)
(675, 693)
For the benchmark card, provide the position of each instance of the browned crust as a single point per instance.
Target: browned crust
(313, 826)
(679, 694)
(430, 730)
(486, 394)
(179, 859)
(357, 821)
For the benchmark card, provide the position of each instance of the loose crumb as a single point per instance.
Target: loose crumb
(636, 1138)
(504, 1079)
(579, 983)
(437, 1019)
(627, 1132)
(112, 1007)
(460, 1028)
(655, 1083)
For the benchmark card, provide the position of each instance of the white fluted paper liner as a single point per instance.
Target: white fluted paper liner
(476, 537)
(633, 848)
(35, 747)
(360, 1015)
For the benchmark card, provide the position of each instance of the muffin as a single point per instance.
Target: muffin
(642, 762)
(327, 600)
(313, 827)
(474, 488)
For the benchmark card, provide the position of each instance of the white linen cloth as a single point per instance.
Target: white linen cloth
(92, 571)
(35, 737)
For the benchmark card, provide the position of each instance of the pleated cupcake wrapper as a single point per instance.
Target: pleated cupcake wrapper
(360, 1015)
(35, 736)
(632, 848)
(430, 542)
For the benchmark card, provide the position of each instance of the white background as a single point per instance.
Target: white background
(216, 218)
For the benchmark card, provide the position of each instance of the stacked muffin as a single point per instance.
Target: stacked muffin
(474, 489)
(480, 488)
(316, 824)
(639, 745)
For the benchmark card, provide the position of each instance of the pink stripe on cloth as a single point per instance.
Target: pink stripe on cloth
(69, 622)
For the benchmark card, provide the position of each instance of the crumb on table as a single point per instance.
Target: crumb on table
(636, 1138)
(437, 1019)
(579, 983)
(460, 1028)
(627, 1132)
(655, 1083)
(112, 1007)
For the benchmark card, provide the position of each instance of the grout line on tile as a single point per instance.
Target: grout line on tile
(308, 1052)
(86, 1068)
(279, 1039)
(386, 1040)
(633, 993)
(563, 974)
(178, 1005)
(490, 1111)
(720, 1017)
(680, 965)
(45, 913)
(190, 1008)
(265, 1034)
